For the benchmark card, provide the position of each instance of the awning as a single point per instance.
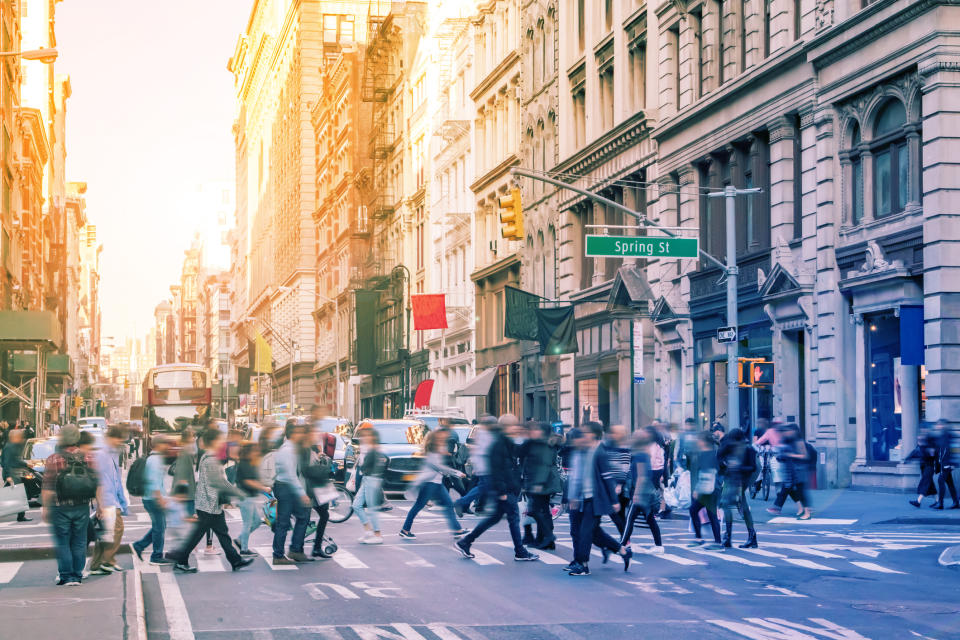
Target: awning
(479, 386)
(29, 330)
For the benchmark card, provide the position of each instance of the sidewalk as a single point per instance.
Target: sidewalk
(867, 508)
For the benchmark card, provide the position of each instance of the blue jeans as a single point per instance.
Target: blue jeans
(368, 495)
(69, 526)
(289, 505)
(250, 512)
(476, 494)
(506, 508)
(432, 491)
(158, 527)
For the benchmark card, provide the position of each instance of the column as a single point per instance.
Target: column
(940, 78)
(914, 142)
(861, 390)
(910, 403)
(782, 133)
(847, 186)
(867, 159)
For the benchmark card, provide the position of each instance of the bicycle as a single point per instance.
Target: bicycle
(764, 477)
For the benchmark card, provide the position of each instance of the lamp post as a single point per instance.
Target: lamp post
(394, 273)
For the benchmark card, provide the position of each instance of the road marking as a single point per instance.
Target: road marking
(178, 619)
(712, 587)
(8, 570)
(443, 632)
(483, 558)
(545, 558)
(729, 558)
(415, 560)
(209, 564)
(809, 564)
(778, 629)
(670, 557)
(872, 566)
(594, 552)
(375, 632)
(267, 554)
(765, 553)
(811, 521)
(809, 550)
(314, 591)
(348, 561)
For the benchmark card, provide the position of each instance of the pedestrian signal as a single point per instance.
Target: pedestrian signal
(511, 215)
(754, 372)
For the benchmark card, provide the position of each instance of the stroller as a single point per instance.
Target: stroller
(270, 517)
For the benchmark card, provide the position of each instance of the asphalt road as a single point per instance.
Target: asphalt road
(837, 580)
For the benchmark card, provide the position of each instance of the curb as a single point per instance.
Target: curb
(13, 553)
(137, 629)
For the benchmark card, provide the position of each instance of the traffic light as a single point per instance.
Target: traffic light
(761, 373)
(511, 215)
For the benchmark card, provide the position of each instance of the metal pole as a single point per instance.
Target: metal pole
(733, 391)
(336, 353)
(292, 354)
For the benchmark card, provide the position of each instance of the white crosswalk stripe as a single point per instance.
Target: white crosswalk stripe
(483, 558)
(209, 564)
(347, 560)
(8, 570)
(545, 557)
(729, 558)
(872, 566)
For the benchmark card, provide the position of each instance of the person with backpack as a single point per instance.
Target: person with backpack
(146, 479)
(113, 504)
(290, 491)
(316, 466)
(69, 484)
(737, 463)
(213, 491)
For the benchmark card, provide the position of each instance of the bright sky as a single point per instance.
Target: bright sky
(148, 128)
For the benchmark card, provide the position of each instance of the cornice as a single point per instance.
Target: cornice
(483, 181)
(489, 80)
(600, 151)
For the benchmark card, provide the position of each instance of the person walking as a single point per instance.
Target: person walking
(316, 469)
(212, 490)
(593, 494)
(69, 484)
(928, 453)
(703, 484)
(944, 439)
(114, 502)
(365, 503)
(248, 481)
(429, 484)
(290, 492)
(155, 502)
(541, 479)
(737, 464)
(13, 465)
(618, 454)
(479, 456)
(505, 482)
(642, 490)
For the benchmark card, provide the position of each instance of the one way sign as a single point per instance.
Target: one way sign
(726, 334)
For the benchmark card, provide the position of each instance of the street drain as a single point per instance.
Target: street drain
(913, 607)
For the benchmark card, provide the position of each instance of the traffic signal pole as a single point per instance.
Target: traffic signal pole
(730, 269)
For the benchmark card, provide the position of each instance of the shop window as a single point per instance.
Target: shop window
(884, 406)
(588, 400)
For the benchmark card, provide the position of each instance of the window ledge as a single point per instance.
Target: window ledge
(911, 211)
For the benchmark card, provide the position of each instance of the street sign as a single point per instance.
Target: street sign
(726, 334)
(641, 247)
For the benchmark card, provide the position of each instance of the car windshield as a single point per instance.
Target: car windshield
(39, 450)
(172, 418)
(462, 432)
(434, 421)
(400, 432)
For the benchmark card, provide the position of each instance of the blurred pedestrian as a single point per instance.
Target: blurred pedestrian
(290, 492)
(737, 464)
(316, 467)
(13, 465)
(479, 456)
(617, 451)
(642, 492)
(541, 479)
(429, 485)
(928, 453)
(944, 439)
(703, 485)
(69, 484)
(155, 501)
(365, 503)
(248, 481)
(213, 491)
(505, 482)
(113, 505)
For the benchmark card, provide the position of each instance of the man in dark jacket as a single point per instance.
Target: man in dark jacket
(592, 494)
(541, 480)
(12, 464)
(944, 440)
(505, 483)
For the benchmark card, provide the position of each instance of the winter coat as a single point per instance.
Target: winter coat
(539, 462)
(505, 474)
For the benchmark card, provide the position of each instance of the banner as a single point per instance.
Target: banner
(557, 330)
(911, 334)
(259, 355)
(367, 305)
(520, 319)
(421, 399)
(429, 311)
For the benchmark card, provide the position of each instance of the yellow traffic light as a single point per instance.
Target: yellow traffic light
(511, 215)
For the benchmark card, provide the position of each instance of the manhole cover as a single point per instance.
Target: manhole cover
(913, 607)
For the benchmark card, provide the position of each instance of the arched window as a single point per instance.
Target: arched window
(542, 259)
(890, 160)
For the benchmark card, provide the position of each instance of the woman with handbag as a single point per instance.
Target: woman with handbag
(642, 488)
(703, 482)
(367, 499)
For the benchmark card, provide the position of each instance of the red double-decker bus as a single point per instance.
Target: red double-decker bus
(175, 396)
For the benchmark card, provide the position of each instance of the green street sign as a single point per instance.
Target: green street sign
(641, 247)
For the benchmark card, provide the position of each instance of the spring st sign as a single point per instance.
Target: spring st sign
(641, 247)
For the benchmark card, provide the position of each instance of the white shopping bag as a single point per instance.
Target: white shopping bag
(13, 499)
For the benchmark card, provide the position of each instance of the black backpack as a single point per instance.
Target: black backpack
(77, 481)
(137, 477)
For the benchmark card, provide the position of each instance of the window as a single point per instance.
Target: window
(607, 14)
(797, 15)
(337, 28)
(579, 116)
(766, 27)
(721, 44)
(695, 20)
(638, 75)
(890, 160)
(673, 41)
(580, 25)
(606, 97)
(797, 180)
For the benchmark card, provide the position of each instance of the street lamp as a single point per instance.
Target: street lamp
(46, 56)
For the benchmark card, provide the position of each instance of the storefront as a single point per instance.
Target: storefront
(541, 386)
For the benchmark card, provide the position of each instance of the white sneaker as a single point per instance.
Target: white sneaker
(373, 540)
(656, 550)
(212, 551)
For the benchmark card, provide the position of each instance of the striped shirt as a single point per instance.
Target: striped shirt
(619, 459)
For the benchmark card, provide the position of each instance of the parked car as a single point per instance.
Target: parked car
(402, 442)
(92, 422)
(252, 432)
(35, 454)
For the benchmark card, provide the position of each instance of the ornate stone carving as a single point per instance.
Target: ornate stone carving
(824, 14)
(875, 262)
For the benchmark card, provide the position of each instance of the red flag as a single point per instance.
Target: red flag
(429, 311)
(421, 399)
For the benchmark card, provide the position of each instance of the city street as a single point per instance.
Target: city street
(840, 578)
